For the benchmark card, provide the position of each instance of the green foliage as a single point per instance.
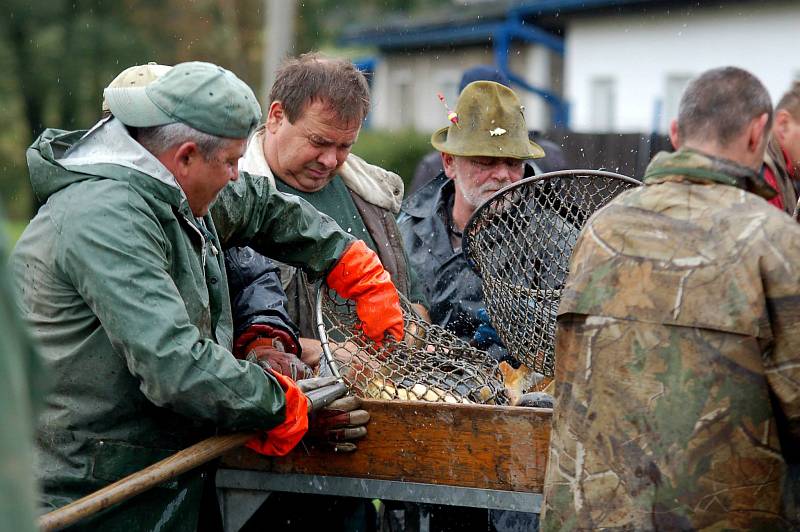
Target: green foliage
(57, 56)
(13, 231)
(57, 59)
(396, 151)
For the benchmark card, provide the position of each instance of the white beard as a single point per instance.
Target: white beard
(478, 195)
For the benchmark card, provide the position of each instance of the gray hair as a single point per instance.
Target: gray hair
(159, 139)
(720, 103)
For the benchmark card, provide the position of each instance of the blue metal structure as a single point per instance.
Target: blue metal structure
(514, 28)
(501, 29)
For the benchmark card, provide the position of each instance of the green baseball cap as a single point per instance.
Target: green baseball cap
(201, 95)
(490, 124)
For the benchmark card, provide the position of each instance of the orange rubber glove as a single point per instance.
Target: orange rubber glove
(359, 275)
(283, 438)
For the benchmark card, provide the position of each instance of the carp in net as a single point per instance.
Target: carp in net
(429, 364)
(520, 242)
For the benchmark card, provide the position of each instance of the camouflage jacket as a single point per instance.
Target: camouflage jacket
(677, 362)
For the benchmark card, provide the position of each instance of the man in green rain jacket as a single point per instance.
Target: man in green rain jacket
(123, 284)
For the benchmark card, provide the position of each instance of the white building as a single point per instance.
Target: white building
(617, 65)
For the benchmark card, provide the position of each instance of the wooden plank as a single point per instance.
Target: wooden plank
(478, 446)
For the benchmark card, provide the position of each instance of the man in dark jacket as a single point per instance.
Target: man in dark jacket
(123, 284)
(484, 152)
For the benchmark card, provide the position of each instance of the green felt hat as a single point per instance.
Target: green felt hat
(201, 95)
(490, 124)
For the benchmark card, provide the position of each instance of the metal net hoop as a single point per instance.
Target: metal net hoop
(520, 242)
(430, 363)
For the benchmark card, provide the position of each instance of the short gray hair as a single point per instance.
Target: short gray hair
(158, 139)
(720, 103)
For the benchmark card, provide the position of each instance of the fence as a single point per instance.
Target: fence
(627, 153)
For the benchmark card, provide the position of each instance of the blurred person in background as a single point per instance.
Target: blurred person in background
(782, 158)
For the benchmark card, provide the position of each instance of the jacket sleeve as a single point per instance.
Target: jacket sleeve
(115, 254)
(781, 279)
(256, 292)
(251, 212)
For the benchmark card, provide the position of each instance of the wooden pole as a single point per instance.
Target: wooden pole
(151, 476)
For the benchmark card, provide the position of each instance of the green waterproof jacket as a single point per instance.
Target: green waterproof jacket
(125, 291)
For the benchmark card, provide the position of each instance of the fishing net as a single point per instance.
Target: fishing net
(429, 364)
(520, 242)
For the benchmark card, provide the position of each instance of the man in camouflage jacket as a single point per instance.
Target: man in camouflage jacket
(677, 362)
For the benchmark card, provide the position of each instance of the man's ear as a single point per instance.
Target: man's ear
(757, 133)
(673, 134)
(275, 115)
(183, 159)
(782, 120)
(448, 163)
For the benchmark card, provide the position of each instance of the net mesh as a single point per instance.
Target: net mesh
(520, 242)
(429, 364)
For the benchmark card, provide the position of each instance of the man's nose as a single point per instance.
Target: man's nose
(327, 158)
(235, 174)
(502, 172)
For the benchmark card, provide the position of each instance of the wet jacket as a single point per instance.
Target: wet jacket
(677, 362)
(257, 295)
(126, 292)
(452, 288)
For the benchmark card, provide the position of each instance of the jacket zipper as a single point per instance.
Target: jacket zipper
(203, 246)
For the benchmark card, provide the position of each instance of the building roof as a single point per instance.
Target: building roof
(477, 23)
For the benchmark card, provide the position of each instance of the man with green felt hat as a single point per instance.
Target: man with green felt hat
(122, 281)
(483, 150)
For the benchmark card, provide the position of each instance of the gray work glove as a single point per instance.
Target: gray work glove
(338, 425)
(321, 391)
(536, 400)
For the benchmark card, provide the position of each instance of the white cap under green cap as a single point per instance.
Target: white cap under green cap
(204, 96)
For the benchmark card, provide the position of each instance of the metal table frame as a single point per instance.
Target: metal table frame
(241, 493)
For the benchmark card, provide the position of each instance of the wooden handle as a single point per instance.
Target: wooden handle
(153, 475)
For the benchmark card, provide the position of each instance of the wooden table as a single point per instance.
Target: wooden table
(463, 455)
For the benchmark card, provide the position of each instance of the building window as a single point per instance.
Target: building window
(603, 104)
(403, 99)
(674, 86)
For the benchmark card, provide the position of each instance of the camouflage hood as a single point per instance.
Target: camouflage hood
(691, 165)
